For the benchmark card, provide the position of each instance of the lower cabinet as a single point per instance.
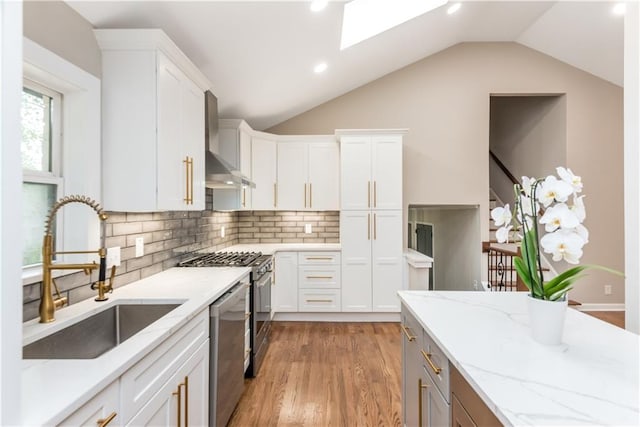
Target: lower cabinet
(284, 287)
(168, 387)
(411, 368)
(468, 409)
(184, 399)
(434, 408)
(101, 410)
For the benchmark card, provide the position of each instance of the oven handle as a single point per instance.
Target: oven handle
(263, 280)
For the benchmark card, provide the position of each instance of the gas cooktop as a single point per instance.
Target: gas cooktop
(223, 259)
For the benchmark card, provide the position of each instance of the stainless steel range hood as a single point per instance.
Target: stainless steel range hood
(218, 172)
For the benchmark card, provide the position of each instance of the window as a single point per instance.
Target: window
(40, 148)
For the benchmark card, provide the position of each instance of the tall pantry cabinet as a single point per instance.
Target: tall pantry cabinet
(371, 221)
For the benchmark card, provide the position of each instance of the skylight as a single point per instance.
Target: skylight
(364, 19)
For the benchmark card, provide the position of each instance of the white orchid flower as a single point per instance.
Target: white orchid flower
(527, 184)
(528, 207)
(501, 215)
(573, 180)
(552, 190)
(583, 232)
(559, 216)
(502, 234)
(563, 244)
(578, 208)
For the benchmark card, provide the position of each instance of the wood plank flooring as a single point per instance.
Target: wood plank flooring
(326, 374)
(613, 317)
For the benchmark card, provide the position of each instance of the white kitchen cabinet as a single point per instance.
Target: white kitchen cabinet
(284, 289)
(308, 175)
(153, 374)
(183, 399)
(235, 148)
(152, 123)
(264, 172)
(371, 260)
(101, 410)
(319, 282)
(371, 172)
(371, 221)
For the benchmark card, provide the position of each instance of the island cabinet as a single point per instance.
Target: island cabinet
(371, 219)
(152, 123)
(467, 409)
(101, 410)
(308, 173)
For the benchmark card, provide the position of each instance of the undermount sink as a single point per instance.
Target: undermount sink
(97, 334)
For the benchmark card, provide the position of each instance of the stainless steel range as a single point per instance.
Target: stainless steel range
(260, 295)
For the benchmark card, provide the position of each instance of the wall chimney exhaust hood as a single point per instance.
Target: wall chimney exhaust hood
(218, 172)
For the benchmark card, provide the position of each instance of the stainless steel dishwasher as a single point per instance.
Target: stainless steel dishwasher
(226, 379)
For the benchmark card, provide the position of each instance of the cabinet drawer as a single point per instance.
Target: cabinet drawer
(145, 378)
(100, 407)
(319, 277)
(314, 258)
(436, 364)
(319, 300)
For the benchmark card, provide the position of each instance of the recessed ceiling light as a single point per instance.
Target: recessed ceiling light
(229, 182)
(619, 9)
(363, 19)
(453, 8)
(319, 68)
(318, 5)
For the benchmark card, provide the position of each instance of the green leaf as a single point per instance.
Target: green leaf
(560, 294)
(562, 276)
(529, 253)
(563, 285)
(522, 271)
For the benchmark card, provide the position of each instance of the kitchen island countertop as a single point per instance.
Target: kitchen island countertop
(590, 379)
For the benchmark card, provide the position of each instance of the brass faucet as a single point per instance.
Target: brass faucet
(47, 303)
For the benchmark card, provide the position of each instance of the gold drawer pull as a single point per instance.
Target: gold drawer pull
(275, 194)
(319, 277)
(319, 258)
(427, 357)
(102, 422)
(406, 332)
(420, 387)
(319, 300)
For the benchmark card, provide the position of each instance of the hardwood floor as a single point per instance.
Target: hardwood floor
(613, 317)
(326, 374)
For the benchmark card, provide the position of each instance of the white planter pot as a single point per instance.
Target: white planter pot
(547, 320)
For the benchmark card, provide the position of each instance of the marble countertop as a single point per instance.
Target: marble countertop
(272, 248)
(590, 379)
(53, 389)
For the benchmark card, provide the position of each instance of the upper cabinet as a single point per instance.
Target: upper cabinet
(371, 170)
(152, 123)
(264, 174)
(308, 174)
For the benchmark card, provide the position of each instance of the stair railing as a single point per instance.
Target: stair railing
(501, 273)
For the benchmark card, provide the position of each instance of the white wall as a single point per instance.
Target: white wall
(456, 243)
(10, 211)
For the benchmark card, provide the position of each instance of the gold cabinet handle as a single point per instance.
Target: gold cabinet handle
(420, 387)
(244, 197)
(310, 196)
(186, 401)
(375, 227)
(319, 258)
(186, 180)
(368, 194)
(275, 194)
(375, 195)
(410, 337)
(305, 194)
(319, 277)
(319, 300)
(368, 226)
(191, 180)
(102, 422)
(179, 394)
(427, 357)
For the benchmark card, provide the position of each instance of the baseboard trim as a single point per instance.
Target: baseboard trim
(600, 307)
(336, 317)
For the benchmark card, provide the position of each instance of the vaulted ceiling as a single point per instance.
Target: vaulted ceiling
(259, 56)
